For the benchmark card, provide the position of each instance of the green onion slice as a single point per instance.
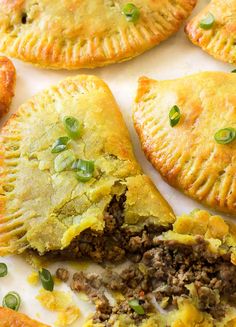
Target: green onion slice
(60, 144)
(84, 165)
(83, 176)
(131, 12)
(3, 269)
(46, 279)
(72, 126)
(233, 71)
(225, 135)
(63, 160)
(207, 22)
(12, 301)
(134, 304)
(174, 116)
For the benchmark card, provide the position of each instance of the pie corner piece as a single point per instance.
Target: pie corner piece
(7, 84)
(218, 37)
(33, 195)
(44, 33)
(187, 155)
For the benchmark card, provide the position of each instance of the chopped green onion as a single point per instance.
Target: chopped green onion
(12, 301)
(131, 12)
(3, 269)
(60, 144)
(64, 160)
(46, 279)
(134, 304)
(84, 165)
(72, 126)
(233, 71)
(83, 176)
(207, 22)
(174, 116)
(225, 135)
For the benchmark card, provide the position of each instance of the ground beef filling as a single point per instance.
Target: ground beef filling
(161, 270)
(115, 243)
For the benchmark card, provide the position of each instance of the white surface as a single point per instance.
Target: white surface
(173, 58)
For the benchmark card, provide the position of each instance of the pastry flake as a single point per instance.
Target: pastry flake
(78, 34)
(46, 210)
(7, 84)
(187, 155)
(10, 318)
(218, 36)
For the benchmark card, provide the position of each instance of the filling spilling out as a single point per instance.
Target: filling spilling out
(160, 271)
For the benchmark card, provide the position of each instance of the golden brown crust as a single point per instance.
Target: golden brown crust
(33, 195)
(218, 41)
(10, 318)
(49, 37)
(187, 155)
(7, 84)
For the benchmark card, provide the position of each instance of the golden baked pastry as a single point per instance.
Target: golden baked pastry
(48, 205)
(214, 30)
(7, 84)
(82, 33)
(187, 155)
(10, 318)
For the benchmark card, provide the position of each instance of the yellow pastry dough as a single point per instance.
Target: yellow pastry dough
(81, 33)
(187, 155)
(7, 84)
(44, 209)
(219, 39)
(10, 318)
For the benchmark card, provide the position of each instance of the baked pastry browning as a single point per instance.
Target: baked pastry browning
(11, 318)
(218, 37)
(7, 84)
(187, 155)
(82, 33)
(50, 210)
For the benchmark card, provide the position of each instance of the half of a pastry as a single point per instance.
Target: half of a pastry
(7, 84)
(11, 318)
(84, 33)
(70, 184)
(214, 30)
(187, 130)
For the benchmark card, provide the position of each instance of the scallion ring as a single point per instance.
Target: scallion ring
(174, 116)
(12, 301)
(84, 165)
(63, 160)
(131, 12)
(134, 304)
(207, 22)
(225, 135)
(233, 71)
(46, 279)
(3, 269)
(72, 126)
(83, 176)
(60, 144)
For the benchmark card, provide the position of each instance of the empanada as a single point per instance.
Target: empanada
(214, 30)
(48, 202)
(73, 34)
(10, 318)
(187, 155)
(7, 84)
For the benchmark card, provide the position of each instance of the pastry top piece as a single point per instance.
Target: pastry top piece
(82, 33)
(214, 30)
(7, 84)
(43, 207)
(187, 155)
(11, 318)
